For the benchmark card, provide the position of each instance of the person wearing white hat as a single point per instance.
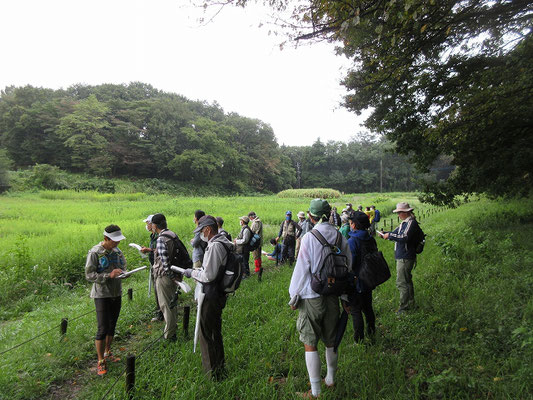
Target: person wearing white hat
(405, 254)
(105, 262)
(301, 222)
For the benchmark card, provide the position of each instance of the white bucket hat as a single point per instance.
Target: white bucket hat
(116, 236)
(148, 218)
(404, 207)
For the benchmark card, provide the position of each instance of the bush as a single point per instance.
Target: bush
(311, 193)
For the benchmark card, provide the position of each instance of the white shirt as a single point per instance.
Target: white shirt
(311, 256)
(215, 256)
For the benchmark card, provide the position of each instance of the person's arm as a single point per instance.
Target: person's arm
(241, 240)
(196, 241)
(405, 235)
(280, 230)
(214, 258)
(91, 270)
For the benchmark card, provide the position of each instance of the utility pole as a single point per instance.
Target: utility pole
(381, 175)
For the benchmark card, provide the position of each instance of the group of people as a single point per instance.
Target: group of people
(318, 314)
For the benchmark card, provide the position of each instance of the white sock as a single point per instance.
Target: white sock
(312, 360)
(331, 361)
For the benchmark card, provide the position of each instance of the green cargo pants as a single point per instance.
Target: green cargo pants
(404, 283)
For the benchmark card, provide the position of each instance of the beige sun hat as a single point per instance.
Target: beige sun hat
(404, 207)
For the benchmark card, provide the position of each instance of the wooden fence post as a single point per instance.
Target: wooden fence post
(130, 294)
(130, 375)
(64, 325)
(186, 316)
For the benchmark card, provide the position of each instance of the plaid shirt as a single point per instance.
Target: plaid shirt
(162, 250)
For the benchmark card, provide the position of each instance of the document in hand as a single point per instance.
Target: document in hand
(136, 246)
(128, 273)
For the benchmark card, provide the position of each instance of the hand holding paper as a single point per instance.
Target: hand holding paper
(136, 246)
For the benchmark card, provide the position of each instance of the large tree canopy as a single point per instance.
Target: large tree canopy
(441, 77)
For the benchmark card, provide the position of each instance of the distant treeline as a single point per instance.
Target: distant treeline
(138, 131)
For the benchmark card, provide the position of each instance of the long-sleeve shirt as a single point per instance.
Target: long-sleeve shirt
(311, 257)
(215, 257)
(404, 248)
(243, 239)
(98, 266)
(198, 248)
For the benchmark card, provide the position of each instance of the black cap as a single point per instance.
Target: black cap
(158, 218)
(206, 220)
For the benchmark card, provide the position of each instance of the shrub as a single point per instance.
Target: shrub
(311, 193)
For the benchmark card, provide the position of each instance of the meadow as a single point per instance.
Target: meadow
(470, 337)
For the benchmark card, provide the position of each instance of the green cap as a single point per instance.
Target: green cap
(319, 207)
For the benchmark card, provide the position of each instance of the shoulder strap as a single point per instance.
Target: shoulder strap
(320, 238)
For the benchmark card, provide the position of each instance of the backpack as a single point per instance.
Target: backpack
(419, 239)
(374, 269)
(377, 215)
(180, 256)
(231, 273)
(255, 241)
(333, 276)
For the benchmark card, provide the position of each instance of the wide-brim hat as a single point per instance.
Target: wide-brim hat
(301, 214)
(403, 207)
(245, 219)
(116, 236)
(206, 220)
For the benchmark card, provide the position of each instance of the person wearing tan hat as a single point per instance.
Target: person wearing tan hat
(405, 254)
(241, 244)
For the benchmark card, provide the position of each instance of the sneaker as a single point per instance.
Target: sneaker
(101, 369)
(110, 357)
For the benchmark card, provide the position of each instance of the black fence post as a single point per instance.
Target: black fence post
(64, 325)
(186, 316)
(130, 375)
(260, 274)
(130, 294)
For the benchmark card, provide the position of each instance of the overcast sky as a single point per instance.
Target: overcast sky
(57, 43)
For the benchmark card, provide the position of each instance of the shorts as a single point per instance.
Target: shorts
(317, 319)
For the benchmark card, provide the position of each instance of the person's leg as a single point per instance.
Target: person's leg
(211, 344)
(290, 251)
(158, 313)
(410, 286)
(329, 333)
(246, 262)
(102, 320)
(355, 305)
(166, 288)
(402, 283)
(257, 259)
(368, 310)
(115, 305)
(312, 362)
(297, 249)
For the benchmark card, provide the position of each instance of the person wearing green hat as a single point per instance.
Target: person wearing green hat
(288, 231)
(317, 315)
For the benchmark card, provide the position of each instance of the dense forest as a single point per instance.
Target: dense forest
(137, 131)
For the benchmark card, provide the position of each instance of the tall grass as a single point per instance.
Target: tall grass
(471, 336)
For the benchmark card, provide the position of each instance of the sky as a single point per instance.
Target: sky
(231, 60)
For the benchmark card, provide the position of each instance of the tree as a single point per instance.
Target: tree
(83, 132)
(5, 165)
(441, 77)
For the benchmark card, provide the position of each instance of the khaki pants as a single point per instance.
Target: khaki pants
(165, 289)
(297, 247)
(317, 319)
(404, 283)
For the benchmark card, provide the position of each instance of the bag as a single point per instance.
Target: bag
(333, 276)
(377, 215)
(419, 239)
(254, 242)
(374, 269)
(231, 273)
(180, 257)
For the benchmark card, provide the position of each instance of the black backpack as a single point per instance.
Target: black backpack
(333, 277)
(180, 257)
(374, 269)
(419, 239)
(230, 275)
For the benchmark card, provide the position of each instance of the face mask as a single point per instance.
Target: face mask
(203, 237)
(288, 218)
(148, 229)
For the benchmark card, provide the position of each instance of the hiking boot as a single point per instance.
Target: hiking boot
(101, 368)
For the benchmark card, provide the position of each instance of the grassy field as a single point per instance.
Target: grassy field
(471, 336)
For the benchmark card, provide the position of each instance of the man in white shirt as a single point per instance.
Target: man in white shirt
(318, 315)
